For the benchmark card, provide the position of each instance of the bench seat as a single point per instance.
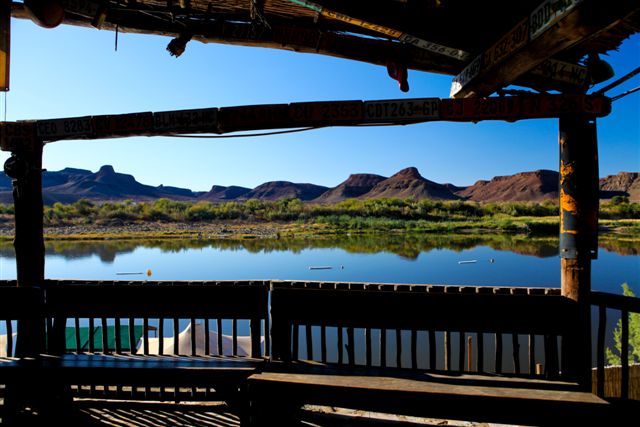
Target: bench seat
(488, 398)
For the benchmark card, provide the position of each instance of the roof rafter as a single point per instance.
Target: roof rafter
(535, 39)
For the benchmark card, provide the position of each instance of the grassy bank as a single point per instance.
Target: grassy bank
(292, 218)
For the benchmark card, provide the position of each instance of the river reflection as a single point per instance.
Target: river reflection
(484, 260)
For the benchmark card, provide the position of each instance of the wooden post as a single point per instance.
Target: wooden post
(579, 202)
(25, 167)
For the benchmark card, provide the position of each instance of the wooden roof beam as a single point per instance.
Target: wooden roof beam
(536, 38)
(280, 36)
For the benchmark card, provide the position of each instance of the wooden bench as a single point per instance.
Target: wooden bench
(118, 367)
(347, 330)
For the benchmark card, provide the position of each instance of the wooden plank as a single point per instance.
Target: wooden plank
(18, 136)
(547, 14)
(522, 107)
(176, 335)
(234, 333)
(119, 125)
(251, 117)
(161, 335)
(66, 128)
(145, 335)
(325, 113)
(186, 121)
(402, 110)
(340, 346)
(553, 27)
(9, 329)
(5, 44)
(414, 349)
(76, 322)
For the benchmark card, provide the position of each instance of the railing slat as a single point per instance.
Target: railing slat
(309, 340)
(532, 354)
(92, 348)
(219, 325)
(624, 355)
(367, 338)
(145, 335)
(432, 350)
(234, 325)
(105, 335)
(323, 343)
(414, 349)
(161, 336)
(383, 348)
(78, 343)
(207, 340)
(516, 353)
(398, 348)
(176, 336)
(351, 346)
(9, 352)
(498, 365)
(117, 338)
(461, 351)
(295, 341)
(602, 325)
(193, 336)
(480, 351)
(340, 346)
(132, 337)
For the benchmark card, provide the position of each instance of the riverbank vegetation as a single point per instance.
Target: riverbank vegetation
(349, 216)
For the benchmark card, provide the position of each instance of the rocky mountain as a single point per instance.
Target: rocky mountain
(623, 184)
(276, 190)
(356, 185)
(69, 185)
(526, 186)
(409, 183)
(218, 193)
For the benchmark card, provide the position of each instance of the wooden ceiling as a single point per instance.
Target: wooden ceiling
(485, 45)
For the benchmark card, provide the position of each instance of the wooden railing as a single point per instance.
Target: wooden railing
(432, 327)
(625, 305)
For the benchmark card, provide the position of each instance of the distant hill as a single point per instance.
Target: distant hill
(409, 183)
(625, 184)
(219, 193)
(69, 185)
(526, 186)
(356, 185)
(276, 190)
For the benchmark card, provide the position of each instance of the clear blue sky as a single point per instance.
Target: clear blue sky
(71, 71)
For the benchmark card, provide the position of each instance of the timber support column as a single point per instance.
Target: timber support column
(579, 204)
(25, 167)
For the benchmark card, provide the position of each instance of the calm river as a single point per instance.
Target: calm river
(433, 259)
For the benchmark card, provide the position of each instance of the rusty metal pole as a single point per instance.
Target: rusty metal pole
(579, 203)
(25, 167)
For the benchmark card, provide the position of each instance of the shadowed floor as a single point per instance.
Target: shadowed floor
(100, 413)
